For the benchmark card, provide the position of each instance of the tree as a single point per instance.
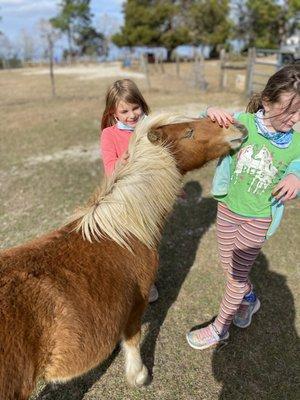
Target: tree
(152, 23)
(49, 37)
(264, 24)
(89, 41)
(7, 51)
(27, 46)
(108, 26)
(75, 20)
(209, 22)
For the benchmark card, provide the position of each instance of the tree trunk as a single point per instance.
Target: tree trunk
(51, 57)
(169, 54)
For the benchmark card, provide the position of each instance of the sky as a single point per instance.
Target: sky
(24, 14)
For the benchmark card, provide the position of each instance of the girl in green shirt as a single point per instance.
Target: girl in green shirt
(249, 185)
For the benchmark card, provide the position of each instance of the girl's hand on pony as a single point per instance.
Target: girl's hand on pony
(287, 188)
(124, 158)
(223, 117)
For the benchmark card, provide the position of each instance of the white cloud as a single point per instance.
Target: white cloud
(24, 14)
(17, 7)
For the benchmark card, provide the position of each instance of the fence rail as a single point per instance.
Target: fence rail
(254, 65)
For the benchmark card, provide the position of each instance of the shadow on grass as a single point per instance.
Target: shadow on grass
(189, 221)
(187, 224)
(261, 362)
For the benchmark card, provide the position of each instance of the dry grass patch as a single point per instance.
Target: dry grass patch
(49, 165)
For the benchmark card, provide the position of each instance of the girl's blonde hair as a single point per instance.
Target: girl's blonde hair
(287, 80)
(126, 90)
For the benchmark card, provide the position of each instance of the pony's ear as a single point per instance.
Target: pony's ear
(155, 136)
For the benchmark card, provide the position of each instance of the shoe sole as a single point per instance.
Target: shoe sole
(207, 345)
(255, 309)
(153, 299)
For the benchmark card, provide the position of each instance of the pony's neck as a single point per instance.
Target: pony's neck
(136, 199)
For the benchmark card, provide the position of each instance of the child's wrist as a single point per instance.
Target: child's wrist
(206, 111)
(203, 114)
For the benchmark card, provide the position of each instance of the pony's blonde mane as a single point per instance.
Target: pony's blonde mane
(134, 201)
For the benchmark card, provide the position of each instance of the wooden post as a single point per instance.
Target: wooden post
(200, 82)
(177, 64)
(196, 61)
(279, 61)
(222, 70)
(145, 69)
(250, 70)
(161, 61)
(51, 59)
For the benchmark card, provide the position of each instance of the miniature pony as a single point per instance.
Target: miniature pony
(68, 297)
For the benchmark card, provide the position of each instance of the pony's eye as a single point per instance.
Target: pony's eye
(189, 134)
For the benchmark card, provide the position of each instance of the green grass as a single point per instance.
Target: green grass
(37, 195)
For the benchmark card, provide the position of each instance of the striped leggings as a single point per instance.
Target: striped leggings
(240, 240)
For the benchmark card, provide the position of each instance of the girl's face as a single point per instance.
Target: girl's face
(282, 115)
(128, 113)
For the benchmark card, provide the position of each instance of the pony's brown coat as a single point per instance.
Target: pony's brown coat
(64, 301)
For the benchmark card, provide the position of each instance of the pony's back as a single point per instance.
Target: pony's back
(64, 304)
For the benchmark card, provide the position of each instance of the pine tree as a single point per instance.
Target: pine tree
(152, 23)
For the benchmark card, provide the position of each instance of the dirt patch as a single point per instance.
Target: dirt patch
(88, 72)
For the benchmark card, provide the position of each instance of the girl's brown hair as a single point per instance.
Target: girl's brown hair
(126, 90)
(287, 79)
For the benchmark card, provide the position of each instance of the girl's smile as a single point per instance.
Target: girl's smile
(128, 113)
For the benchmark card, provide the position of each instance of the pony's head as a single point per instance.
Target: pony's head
(197, 141)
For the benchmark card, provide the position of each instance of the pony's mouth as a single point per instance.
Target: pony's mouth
(236, 142)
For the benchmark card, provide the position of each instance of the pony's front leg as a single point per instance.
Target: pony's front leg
(136, 372)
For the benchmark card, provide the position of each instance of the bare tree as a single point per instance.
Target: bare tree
(6, 47)
(49, 37)
(108, 26)
(27, 46)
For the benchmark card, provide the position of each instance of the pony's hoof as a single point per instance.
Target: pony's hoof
(142, 377)
(139, 379)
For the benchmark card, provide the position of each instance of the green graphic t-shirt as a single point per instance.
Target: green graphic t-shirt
(255, 170)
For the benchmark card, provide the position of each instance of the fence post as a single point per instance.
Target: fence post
(250, 68)
(222, 70)
(161, 59)
(279, 61)
(200, 81)
(203, 83)
(177, 64)
(145, 68)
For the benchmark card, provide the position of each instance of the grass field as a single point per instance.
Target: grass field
(50, 164)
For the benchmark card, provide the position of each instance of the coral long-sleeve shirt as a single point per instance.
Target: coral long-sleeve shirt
(113, 144)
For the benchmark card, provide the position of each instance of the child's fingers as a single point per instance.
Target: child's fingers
(295, 193)
(223, 118)
(291, 194)
(278, 194)
(220, 120)
(277, 188)
(227, 118)
(212, 117)
(230, 118)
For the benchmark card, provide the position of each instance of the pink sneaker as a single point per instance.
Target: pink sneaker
(203, 338)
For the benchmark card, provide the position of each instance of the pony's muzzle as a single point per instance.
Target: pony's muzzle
(238, 134)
